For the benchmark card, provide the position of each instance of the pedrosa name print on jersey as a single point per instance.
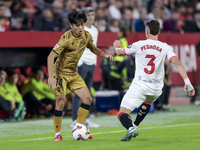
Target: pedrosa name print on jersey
(154, 47)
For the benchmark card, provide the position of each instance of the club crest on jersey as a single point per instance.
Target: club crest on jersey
(83, 41)
(56, 46)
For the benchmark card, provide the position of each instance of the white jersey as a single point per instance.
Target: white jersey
(88, 57)
(150, 56)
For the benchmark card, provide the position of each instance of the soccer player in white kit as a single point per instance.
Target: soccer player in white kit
(147, 85)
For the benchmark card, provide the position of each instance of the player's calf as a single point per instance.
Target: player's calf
(125, 120)
(142, 112)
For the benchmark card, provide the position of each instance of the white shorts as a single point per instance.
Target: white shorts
(135, 96)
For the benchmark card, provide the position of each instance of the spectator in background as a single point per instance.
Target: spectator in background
(19, 21)
(6, 100)
(101, 20)
(163, 14)
(123, 40)
(136, 9)
(94, 5)
(48, 22)
(173, 24)
(8, 4)
(193, 25)
(39, 98)
(114, 9)
(99, 13)
(126, 3)
(5, 21)
(57, 14)
(181, 10)
(2, 10)
(127, 19)
(81, 4)
(71, 4)
(128, 68)
(101, 25)
(122, 37)
(189, 6)
(10, 86)
(112, 77)
(107, 16)
(155, 14)
(140, 23)
(2, 23)
(103, 4)
(114, 25)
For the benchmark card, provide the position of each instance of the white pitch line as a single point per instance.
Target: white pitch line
(169, 126)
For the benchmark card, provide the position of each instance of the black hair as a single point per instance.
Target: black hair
(35, 69)
(154, 26)
(11, 72)
(122, 29)
(75, 16)
(1, 5)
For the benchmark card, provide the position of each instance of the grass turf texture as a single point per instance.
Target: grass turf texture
(178, 130)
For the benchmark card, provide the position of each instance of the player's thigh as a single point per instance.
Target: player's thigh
(75, 83)
(132, 99)
(84, 95)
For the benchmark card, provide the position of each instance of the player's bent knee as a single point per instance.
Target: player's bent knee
(88, 100)
(60, 103)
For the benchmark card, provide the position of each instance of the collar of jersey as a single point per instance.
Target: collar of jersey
(153, 39)
(75, 36)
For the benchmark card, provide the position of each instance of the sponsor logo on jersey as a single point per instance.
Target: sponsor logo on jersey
(56, 46)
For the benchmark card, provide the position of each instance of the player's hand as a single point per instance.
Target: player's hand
(190, 89)
(51, 82)
(117, 44)
(110, 57)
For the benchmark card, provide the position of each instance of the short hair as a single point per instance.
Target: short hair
(11, 72)
(154, 26)
(88, 10)
(35, 69)
(75, 16)
(2, 72)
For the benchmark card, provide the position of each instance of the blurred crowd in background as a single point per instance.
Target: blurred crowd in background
(111, 15)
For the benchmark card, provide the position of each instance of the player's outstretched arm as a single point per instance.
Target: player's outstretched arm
(117, 45)
(188, 86)
(50, 62)
(100, 53)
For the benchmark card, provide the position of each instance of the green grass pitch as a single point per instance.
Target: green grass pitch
(178, 130)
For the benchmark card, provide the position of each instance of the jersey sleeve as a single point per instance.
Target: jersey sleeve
(90, 44)
(131, 49)
(60, 46)
(170, 53)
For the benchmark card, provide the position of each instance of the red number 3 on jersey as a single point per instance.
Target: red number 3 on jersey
(150, 64)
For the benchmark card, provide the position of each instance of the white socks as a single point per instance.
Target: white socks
(78, 124)
(57, 133)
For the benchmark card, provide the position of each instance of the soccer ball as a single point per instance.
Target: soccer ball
(80, 132)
